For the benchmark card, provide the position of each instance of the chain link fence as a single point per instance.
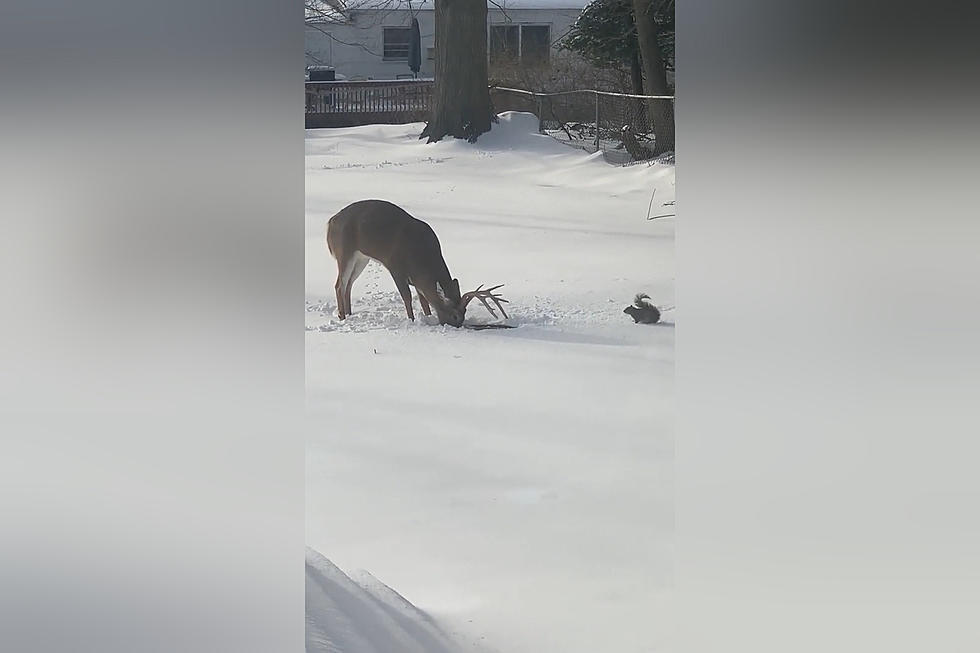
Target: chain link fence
(615, 124)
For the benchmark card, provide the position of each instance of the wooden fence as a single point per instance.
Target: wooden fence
(348, 104)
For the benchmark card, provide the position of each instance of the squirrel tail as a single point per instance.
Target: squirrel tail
(642, 300)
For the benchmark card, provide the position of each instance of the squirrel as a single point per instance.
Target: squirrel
(643, 311)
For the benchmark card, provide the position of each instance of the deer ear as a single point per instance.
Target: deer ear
(441, 291)
(456, 286)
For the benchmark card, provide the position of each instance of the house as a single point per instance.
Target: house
(369, 39)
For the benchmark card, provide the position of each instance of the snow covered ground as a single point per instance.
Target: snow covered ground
(515, 485)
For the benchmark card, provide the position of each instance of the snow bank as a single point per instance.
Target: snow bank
(519, 130)
(344, 615)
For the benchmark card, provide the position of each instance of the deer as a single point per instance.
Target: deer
(409, 249)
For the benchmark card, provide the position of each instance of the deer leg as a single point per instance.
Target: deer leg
(341, 285)
(402, 284)
(357, 267)
(424, 302)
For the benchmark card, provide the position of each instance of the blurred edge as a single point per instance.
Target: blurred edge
(152, 359)
(152, 366)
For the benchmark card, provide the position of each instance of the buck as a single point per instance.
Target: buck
(409, 249)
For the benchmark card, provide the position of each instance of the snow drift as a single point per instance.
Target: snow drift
(344, 615)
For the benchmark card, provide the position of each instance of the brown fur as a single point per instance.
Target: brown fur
(406, 246)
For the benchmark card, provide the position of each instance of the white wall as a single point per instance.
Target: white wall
(356, 50)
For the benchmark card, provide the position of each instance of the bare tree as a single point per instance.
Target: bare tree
(325, 11)
(341, 11)
(461, 102)
(661, 111)
(320, 15)
(323, 14)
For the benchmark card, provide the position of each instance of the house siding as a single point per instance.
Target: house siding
(355, 51)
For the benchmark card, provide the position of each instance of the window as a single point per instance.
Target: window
(396, 43)
(535, 43)
(529, 44)
(505, 43)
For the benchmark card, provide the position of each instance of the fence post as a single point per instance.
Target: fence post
(596, 122)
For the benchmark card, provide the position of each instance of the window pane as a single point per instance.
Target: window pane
(503, 42)
(535, 43)
(396, 42)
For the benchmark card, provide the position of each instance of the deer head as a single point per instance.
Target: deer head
(450, 305)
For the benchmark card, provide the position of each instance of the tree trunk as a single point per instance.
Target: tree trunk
(636, 74)
(637, 110)
(661, 111)
(461, 102)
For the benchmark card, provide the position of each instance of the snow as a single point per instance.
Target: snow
(363, 615)
(514, 484)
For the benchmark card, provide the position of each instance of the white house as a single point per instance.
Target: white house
(369, 39)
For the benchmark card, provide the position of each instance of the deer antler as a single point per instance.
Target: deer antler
(483, 296)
